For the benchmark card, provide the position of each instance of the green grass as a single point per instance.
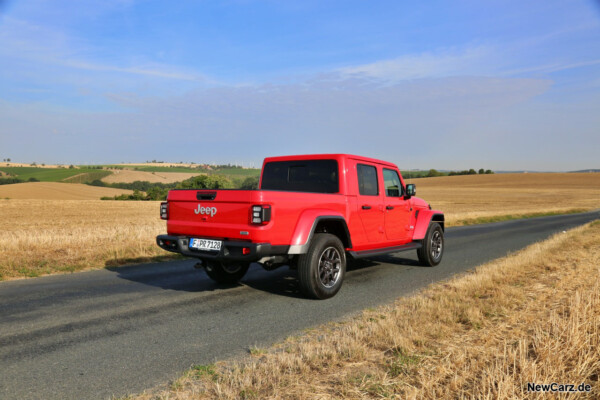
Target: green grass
(508, 217)
(414, 174)
(401, 362)
(204, 370)
(257, 351)
(44, 268)
(46, 174)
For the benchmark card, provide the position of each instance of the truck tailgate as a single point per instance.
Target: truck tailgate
(211, 213)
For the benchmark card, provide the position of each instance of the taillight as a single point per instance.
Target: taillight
(164, 210)
(260, 214)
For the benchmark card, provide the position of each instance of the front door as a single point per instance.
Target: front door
(370, 204)
(397, 210)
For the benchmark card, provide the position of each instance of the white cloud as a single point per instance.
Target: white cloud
(526, 56)
(449, 62)
(153, 70)
(39, 47)
(553, 67)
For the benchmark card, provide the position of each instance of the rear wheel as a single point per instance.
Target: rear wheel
(433, 246)
(226, 272)
(321, 270)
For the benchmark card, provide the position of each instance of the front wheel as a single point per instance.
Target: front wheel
(433, 246)
(225, 272)
(321, 270)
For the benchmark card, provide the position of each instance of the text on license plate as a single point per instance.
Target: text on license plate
(205, 244)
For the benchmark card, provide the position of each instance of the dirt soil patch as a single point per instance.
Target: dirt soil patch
(128, 176)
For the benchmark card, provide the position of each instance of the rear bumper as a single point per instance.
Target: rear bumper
(231, 250)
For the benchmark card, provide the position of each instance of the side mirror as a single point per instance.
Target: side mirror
(411, 190)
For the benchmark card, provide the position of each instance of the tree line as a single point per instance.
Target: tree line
(10, 181)
(143, 190)
(434, 172)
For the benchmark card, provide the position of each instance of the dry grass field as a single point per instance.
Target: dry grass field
(532, 317)
(481, 198)
(45, 236)
(57, 191)
(39, 237)
(128, 176)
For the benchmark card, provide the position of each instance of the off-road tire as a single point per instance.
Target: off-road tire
(225, 273)
(432, 251)
(322, 269)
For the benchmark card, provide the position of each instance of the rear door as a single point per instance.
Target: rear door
(370, 203)
(397, 210)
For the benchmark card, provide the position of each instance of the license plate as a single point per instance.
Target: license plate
(205, 244)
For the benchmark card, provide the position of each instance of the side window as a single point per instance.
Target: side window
(367, 180)
(391, 181)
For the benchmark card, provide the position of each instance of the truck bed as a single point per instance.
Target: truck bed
(226, 214)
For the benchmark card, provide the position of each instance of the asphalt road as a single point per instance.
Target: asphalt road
(95, 334)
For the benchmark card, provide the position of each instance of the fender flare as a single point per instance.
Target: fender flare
(424, 219)
(306, 226)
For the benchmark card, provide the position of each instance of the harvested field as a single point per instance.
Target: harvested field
(480, 198)
(532, 317)
(39, 237)
(128, 176)
(12, 164)
(57, 191)
(464, 199)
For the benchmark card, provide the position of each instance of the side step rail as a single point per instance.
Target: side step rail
(385, 250)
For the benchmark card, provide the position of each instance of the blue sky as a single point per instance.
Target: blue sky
(506, 85)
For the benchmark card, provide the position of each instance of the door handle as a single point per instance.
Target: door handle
(389, 207)
(366, 207)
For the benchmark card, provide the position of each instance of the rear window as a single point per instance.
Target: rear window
(316, 176)
(367, 180)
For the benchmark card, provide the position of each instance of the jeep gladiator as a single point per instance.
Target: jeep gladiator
(310, 212)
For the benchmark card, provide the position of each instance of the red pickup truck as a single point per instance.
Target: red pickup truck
(310, 212)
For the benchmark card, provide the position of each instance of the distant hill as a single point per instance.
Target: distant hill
(57, 191)
(129, 176)
(524, 172)
(545, 172)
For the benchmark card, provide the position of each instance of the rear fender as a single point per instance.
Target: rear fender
(307, 225)
(424, 218)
